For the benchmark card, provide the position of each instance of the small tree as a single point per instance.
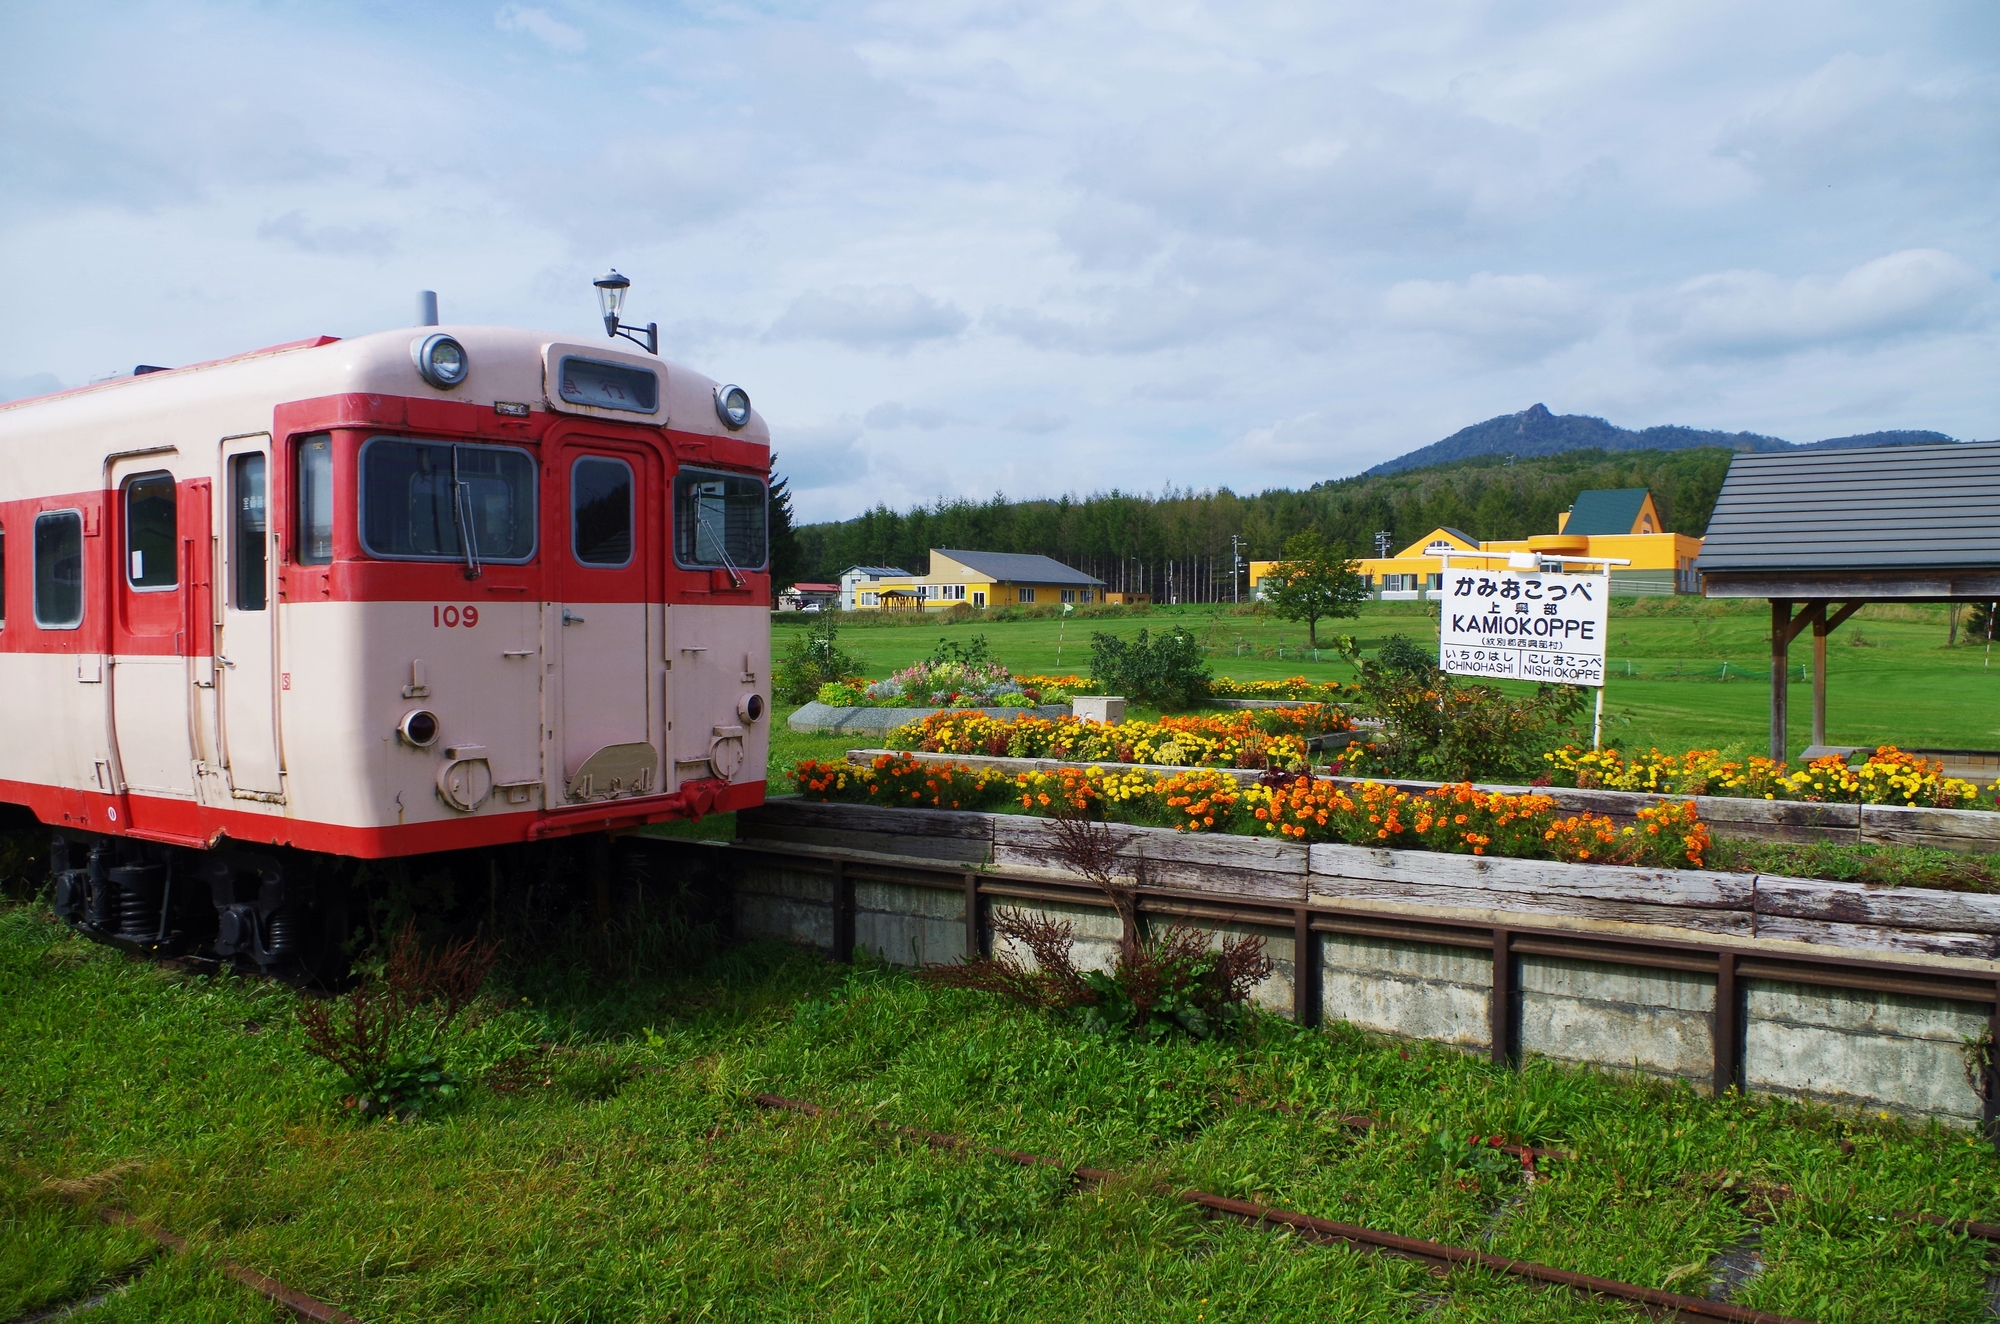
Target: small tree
(1316, 580)
(812, 660)
(788, 556)
(1168, 671)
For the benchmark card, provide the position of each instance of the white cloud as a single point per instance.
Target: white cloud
(1756, 313)
(891, 414)
(1035, 421)
(1505, 318)
(1357, 227)
(293, 229)
(869, 317)
(543, 26)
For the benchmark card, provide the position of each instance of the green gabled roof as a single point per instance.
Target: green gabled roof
(1604, 513)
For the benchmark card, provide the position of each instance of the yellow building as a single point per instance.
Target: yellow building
(982, 579)
(1621, 524)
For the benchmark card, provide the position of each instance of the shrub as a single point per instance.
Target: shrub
(387, 1036)
(1439, 728)
(1168, 671)
(812, 659)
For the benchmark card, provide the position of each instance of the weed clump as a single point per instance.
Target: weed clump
(1163, 984)
(387, 1035)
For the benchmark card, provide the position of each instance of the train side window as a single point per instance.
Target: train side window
(416, 495)
(719, 520)
(152, 532)
(59, 569)
(600, 511)
(249, 549)
(313, 487)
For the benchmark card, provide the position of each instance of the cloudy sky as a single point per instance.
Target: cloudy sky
(954, 246)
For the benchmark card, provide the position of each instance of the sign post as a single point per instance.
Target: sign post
(1527, 624)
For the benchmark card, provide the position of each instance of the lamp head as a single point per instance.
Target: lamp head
(611, 288)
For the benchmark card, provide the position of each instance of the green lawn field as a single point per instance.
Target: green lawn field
(631, 1176)
(1683, 672)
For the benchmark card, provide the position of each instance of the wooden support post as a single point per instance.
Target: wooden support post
(1819, 676)
(1727, 1028)
(1781, 639)
(843, 913)
(975, 945)
(1504, 1030)
(1305, 969)
(1991, 1084)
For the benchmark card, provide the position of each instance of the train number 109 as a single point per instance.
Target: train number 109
(451, 618)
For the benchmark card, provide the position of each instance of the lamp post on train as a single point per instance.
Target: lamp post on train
(611, 288)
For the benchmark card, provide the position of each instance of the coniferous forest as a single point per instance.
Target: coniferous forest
(1175, 544)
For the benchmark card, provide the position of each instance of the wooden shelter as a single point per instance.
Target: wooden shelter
(1822, 533)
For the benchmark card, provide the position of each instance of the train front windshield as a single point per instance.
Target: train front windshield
(719, 520)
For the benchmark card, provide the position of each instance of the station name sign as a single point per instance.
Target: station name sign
(1508, 626)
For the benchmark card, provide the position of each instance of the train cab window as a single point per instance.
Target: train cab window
(59, 569)
(600, 511)
(719, 520)
(249, 549)
(152, 534)
(418, 496)
(313, 487)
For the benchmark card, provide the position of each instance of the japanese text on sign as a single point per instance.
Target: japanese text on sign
(1523, 627)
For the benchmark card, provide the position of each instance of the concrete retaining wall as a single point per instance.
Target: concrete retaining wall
(1904, 1052)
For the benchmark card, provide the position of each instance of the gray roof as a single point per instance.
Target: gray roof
(1612, 510)
(876, 571)
(1016, 567)
(1907, 507)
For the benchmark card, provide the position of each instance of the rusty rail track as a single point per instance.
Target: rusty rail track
(1435, 1254)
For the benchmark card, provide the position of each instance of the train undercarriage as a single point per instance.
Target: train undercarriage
(279, 914)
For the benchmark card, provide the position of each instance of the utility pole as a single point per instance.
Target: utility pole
(1382, 541)
(1236, 568)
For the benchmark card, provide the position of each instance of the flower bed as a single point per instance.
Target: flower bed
(1889, 776)
(1295, 687)
(1270, 738)
(946, 685)
(1456, 819)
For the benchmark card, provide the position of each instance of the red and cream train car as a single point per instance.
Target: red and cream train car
(416, 591)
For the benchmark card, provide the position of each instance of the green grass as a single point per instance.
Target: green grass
(642, 1184)
(1890, 677)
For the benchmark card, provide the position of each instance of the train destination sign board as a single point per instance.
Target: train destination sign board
(1511, 626)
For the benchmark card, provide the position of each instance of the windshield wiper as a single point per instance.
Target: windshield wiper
(721, 548)
(461, 510)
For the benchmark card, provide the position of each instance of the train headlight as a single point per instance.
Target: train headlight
(440, 360)
(732, 406)
(750, 707)
(419, 728)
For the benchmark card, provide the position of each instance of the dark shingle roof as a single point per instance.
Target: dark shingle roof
(1017, 567)
(1607, 512)
(1885, 508)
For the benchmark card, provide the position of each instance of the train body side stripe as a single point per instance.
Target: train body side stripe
(179, 822)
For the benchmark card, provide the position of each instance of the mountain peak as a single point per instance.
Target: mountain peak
(1538, 431)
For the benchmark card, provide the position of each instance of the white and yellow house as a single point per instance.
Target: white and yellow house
(1621, 524)
(981, 579)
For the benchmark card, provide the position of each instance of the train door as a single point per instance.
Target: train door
(605, 556)
(246, 646)
(158, 622)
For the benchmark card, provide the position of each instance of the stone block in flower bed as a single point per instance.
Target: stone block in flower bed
(880, 721)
